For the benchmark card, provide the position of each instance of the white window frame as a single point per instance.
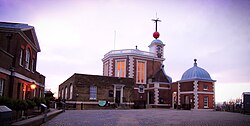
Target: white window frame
(205, 101)
(92, 92)
(27, 59)
(120, 71)
(145, 72)
(106, 69)
(71, 91)
(1, 86)
(21, 57)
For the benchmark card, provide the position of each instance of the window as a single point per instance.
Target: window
(34, 93)
(21, 58)
(71, 91)
(18, 90)
(106, 69)
(120, 68)
(111, 93)
(93, 92)
(141, 89)
(27, 59)
(66, 93)
(141, 72)
(205, 87)
(205, 101)
(62, 93)
(1, 87)
(32, 65)
(40, 93)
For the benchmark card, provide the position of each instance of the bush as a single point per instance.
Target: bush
(37, 101)
(20, 105)
(6, 101)
(31, 104)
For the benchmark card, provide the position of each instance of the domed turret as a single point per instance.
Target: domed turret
(156, 45)
(196, 73)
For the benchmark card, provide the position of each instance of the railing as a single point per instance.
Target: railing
(129, 51)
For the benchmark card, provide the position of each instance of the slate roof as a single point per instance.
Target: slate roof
(15, 25)
(161, 76)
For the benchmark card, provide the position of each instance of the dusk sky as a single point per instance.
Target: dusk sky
(75, 35)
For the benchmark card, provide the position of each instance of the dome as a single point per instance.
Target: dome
(196, 73)
(157, 41)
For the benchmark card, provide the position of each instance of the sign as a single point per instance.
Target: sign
(102, 103)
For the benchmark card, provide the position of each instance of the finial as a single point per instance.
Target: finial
(136, 47)
(195, 64)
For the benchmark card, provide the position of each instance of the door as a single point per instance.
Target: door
(117, 96)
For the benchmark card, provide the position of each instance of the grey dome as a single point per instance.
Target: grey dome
(196, 73)
(157, 41)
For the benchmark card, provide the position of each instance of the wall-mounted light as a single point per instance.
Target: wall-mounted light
(32, 86)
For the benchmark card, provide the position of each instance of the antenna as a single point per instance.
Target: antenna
(114, 38)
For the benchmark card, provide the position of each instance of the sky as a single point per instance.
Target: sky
(75, 35)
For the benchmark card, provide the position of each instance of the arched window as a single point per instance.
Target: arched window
(62, 93)
(27, 59)
(66, 93)
(71, 91)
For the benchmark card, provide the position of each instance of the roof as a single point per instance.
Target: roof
(15, 25)
(25, 30)
(161, 76)
(196, 73)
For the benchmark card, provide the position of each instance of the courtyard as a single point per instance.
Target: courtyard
(148, 117)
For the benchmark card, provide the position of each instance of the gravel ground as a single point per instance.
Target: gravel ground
(148, 117)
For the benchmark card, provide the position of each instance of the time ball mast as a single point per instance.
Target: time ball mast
(156, 34)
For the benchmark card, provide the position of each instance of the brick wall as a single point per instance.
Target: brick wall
(82, 82)
(187, 86)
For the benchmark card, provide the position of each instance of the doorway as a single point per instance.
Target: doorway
(118, 97)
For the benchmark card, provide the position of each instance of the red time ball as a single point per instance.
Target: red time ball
(156, 35)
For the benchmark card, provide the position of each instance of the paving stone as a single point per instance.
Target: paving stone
(148, 117)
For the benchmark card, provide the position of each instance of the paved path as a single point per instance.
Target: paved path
(148, 117)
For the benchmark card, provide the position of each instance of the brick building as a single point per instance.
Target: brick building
(195, 90)
(152, 86)
(18, 59)
(84, 91)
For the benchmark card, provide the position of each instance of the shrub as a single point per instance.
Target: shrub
(20, 105)
(6, 101)
(31, 104)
